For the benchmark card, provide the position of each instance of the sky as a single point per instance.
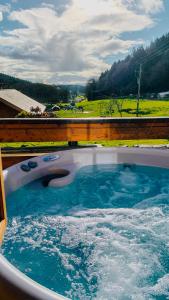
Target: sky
(71, 41)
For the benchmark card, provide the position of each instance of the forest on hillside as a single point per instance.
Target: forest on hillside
(41, 92)
(122, 78)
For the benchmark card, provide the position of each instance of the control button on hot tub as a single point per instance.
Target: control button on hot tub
(51, 158)
(25, 168)
(32, 164)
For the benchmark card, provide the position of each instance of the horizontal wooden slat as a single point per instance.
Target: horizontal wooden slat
(44, 130)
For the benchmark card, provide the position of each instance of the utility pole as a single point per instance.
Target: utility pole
(139, 89)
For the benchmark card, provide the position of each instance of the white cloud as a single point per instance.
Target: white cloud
(5, 8)
(117, 45)
(148, 6)
(49, 5)
(73, 45)
(152, 6)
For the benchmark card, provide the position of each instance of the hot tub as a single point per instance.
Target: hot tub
(59, 171)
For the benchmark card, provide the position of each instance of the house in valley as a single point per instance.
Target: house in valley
(12, 102)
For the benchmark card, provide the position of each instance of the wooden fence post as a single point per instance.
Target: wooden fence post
(3, 216)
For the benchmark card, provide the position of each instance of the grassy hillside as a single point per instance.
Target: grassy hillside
(100, 108)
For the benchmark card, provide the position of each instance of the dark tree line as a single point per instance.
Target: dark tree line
(121, 79)
(38, 91)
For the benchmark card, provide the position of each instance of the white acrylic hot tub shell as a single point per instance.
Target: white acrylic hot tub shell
(13, 284)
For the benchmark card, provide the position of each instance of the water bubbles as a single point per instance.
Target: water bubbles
(103, 237)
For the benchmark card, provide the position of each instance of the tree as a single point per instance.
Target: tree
(91, 89)
(121, 79)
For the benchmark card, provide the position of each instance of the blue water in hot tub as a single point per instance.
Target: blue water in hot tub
(105, 236)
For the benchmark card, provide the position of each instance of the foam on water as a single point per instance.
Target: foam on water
(105, 236)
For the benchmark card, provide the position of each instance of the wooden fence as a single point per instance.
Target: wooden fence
(44, 130)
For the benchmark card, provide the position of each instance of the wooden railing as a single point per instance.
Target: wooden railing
(44, 130)
(74, 130)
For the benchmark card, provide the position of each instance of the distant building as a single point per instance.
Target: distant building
(12, 102)
(164, 95)
(79, 99)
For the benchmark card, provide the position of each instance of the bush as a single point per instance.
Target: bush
(23, 114)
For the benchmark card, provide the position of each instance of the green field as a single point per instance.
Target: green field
(148, 108)
(99, 108)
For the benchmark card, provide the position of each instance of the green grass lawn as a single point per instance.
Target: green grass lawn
(103, 143)
(148, 108)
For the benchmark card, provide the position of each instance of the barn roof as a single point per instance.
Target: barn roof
(19, 101)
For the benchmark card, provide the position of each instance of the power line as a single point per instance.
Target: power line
(149, 58)
(155, 52)
(139, 89)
